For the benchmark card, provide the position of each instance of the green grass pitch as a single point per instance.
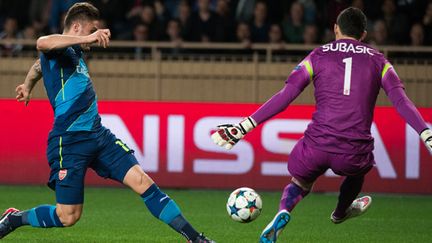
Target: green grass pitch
(118, 215)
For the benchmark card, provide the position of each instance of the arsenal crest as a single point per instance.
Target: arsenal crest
(62, 174)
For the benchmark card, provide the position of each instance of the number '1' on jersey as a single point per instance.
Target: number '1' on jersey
(347, 76)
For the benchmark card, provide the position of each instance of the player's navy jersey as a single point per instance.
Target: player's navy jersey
(347, 76)
(70, 91)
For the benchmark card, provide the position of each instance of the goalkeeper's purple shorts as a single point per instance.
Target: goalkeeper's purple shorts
(307, 163)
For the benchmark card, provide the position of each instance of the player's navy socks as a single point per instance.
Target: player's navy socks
(182, 226)
(349, 190)
(291, 195)
(43, 216)
(165, 209)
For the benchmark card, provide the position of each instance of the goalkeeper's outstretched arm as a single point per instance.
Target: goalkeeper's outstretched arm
(229, 134)
(405, 107)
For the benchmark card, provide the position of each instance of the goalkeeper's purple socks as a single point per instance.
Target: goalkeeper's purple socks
(349, 190)
(292, 194)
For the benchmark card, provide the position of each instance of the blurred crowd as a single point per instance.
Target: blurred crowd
(390, 22)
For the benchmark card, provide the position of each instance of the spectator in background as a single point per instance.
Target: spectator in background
(140, 34)
(293, 25)
(309, 9)
(162, 14)
(58, 10)
(173, 32)
(146, 15)
(244, 10)
(39, 15)
(417, 35)
(311, 35)
(10, 32)
(259, 26)
(34, 30)
(243, 34)
(227, 20)
(275, 35)
(276, 40)
(397, 23)
(427, 23)
(184, 17)
(173, 35)
(205, 24)
(379, 35)
(328, 36)
(29, 33)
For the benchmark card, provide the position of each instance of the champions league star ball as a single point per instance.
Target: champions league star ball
(244, 205)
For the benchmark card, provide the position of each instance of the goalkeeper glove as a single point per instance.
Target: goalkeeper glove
(228, 135)
(426, 136)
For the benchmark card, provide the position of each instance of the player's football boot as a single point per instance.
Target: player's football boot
(357, 208)
(202, 239)
(5, 225)
(275, 227)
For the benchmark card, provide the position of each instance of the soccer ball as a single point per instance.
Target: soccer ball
(244, 205)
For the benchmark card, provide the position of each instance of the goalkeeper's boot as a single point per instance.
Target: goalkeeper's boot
(202, 239)
(357, 208)
(5, 224)
(275, 227)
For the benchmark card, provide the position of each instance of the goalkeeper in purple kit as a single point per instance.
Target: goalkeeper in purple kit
(347, 76)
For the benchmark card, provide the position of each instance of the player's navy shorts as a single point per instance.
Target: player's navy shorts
(71, 154)
(307, 164)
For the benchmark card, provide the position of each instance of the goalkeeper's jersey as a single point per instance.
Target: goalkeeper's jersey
(70, 91)
(347, 76)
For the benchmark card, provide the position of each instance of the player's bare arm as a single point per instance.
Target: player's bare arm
(60, 41)
(33, 76)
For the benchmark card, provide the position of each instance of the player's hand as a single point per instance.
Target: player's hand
(101, 36)
(426, 136)
(228, 135)
(23, 94)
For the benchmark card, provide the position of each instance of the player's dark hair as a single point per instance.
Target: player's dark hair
(80, 12)
(352, 22)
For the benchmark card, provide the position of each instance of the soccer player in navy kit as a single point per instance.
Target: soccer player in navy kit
(347, 76)
(78, 140)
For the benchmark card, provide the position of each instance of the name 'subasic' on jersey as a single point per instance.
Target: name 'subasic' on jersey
(345, 47)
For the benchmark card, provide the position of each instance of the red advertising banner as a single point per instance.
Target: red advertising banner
(172, 143)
